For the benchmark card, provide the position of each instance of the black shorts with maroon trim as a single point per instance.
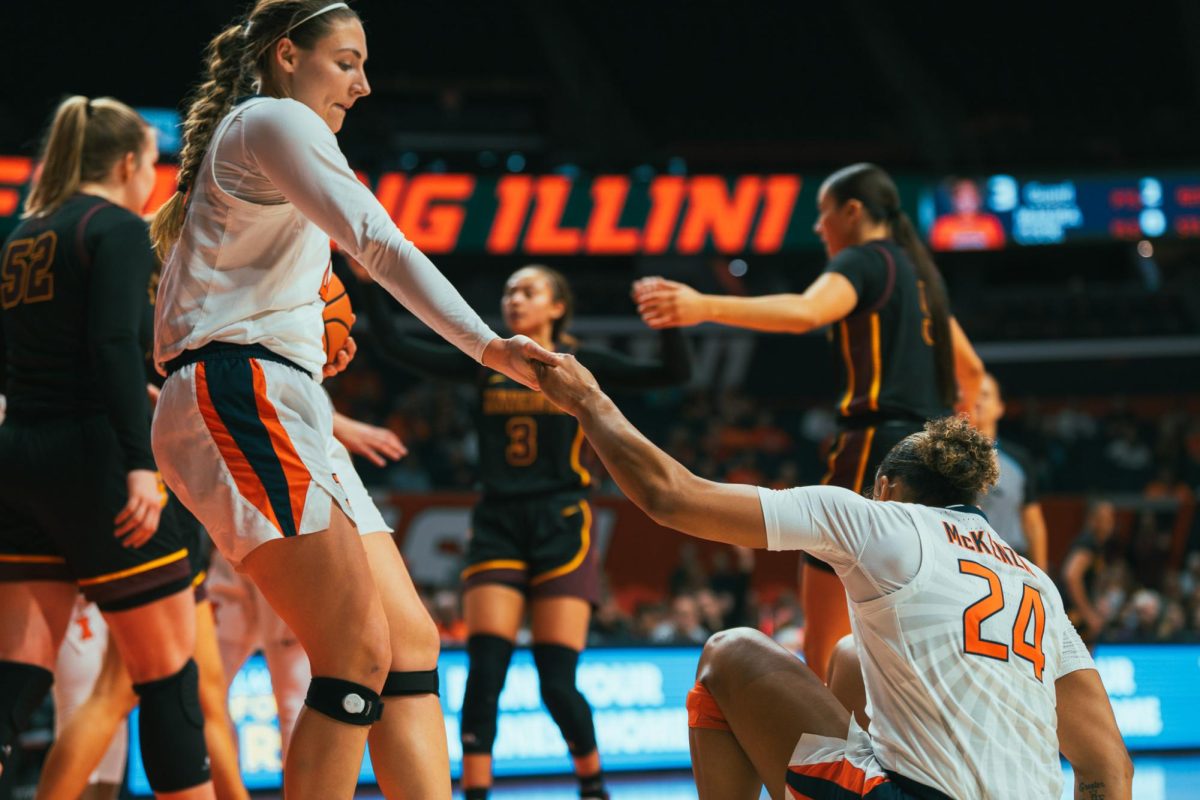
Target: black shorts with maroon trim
(856, 455)
(62, 484)
(540, 545)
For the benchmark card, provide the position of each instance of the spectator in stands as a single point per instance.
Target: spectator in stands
(708, 608)
(1085, 561)
(1011, 505)
(610, 625)
(730, 583)
(683, 625)
(646, 619)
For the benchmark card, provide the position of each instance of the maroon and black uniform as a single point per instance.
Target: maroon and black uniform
(888, 385)
(532, 528)
(73, 291)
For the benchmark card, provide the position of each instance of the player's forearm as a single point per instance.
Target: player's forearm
(1079, 597)
(776, 313)
(645, 473)
(968, 369)
(1111, 783)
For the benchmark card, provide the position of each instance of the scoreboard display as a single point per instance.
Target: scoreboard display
(1002, 210)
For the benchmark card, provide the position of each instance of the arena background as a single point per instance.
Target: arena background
(619, 140)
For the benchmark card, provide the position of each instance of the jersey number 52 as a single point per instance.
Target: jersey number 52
(25, 275)
(1031, 609)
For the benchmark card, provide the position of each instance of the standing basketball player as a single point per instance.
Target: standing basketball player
(243, 430)
(531, 532)
(975, 679)
(902, 357)
(73, 280)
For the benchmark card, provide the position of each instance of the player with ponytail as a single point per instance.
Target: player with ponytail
(80, 498)
(243, 431)
(902, 357)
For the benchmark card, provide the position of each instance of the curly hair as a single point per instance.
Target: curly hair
(948, 463)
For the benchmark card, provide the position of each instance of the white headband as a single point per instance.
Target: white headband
(314, 15)
(294, 25)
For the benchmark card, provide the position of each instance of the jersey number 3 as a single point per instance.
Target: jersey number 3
(522, 441)
(1032, 609)
(25, 275)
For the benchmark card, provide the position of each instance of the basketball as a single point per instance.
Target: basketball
(337, 316)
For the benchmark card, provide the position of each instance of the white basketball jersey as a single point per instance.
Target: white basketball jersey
(961, 640)
(270, 194)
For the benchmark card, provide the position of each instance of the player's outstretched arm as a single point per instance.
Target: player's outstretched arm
(659, 485)
(1089, 738)
(666, 304)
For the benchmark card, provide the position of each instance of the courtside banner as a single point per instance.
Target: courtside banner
(1155, 692)
(637, 695)
(559, 214)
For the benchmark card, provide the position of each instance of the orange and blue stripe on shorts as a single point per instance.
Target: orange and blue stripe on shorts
(839, 780)
(259, 454)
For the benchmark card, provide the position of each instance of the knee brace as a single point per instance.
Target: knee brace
(556, 671)
(413, 682)
(489, 657)
(22, 689)
(344, 701)
(171, 731)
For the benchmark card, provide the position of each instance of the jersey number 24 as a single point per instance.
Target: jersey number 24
(1031, 609)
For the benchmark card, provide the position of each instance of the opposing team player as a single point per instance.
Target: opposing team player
(531, 532)
(975, 679)
(243, 431)
(902, 357)
(80, 500)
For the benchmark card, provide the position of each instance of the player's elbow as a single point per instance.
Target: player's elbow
(1107, 762)
(664, 499)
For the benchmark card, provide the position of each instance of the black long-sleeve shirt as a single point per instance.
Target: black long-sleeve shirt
(73, 291)
(527, 445)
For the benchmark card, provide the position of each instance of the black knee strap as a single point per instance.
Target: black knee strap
(22, 689)
(490, 656)
(171, 731)
(344, 701)
(556, 665)
(415, 682)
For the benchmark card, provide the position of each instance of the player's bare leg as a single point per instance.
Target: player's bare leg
(320, 584)
(156, 640)
(826, 617)
(34, 622)
(218, 727)
(769, 699)
(846, 680)
(494, 610)
(408, 745)
(81, 744)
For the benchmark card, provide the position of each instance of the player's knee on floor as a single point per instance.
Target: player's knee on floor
(489, 659)
(556, 665)
(22, 689)
(399, 684)
(171, 731)
(344, 701)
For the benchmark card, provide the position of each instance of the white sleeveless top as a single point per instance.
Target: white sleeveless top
(962, 701)
(272, 191)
